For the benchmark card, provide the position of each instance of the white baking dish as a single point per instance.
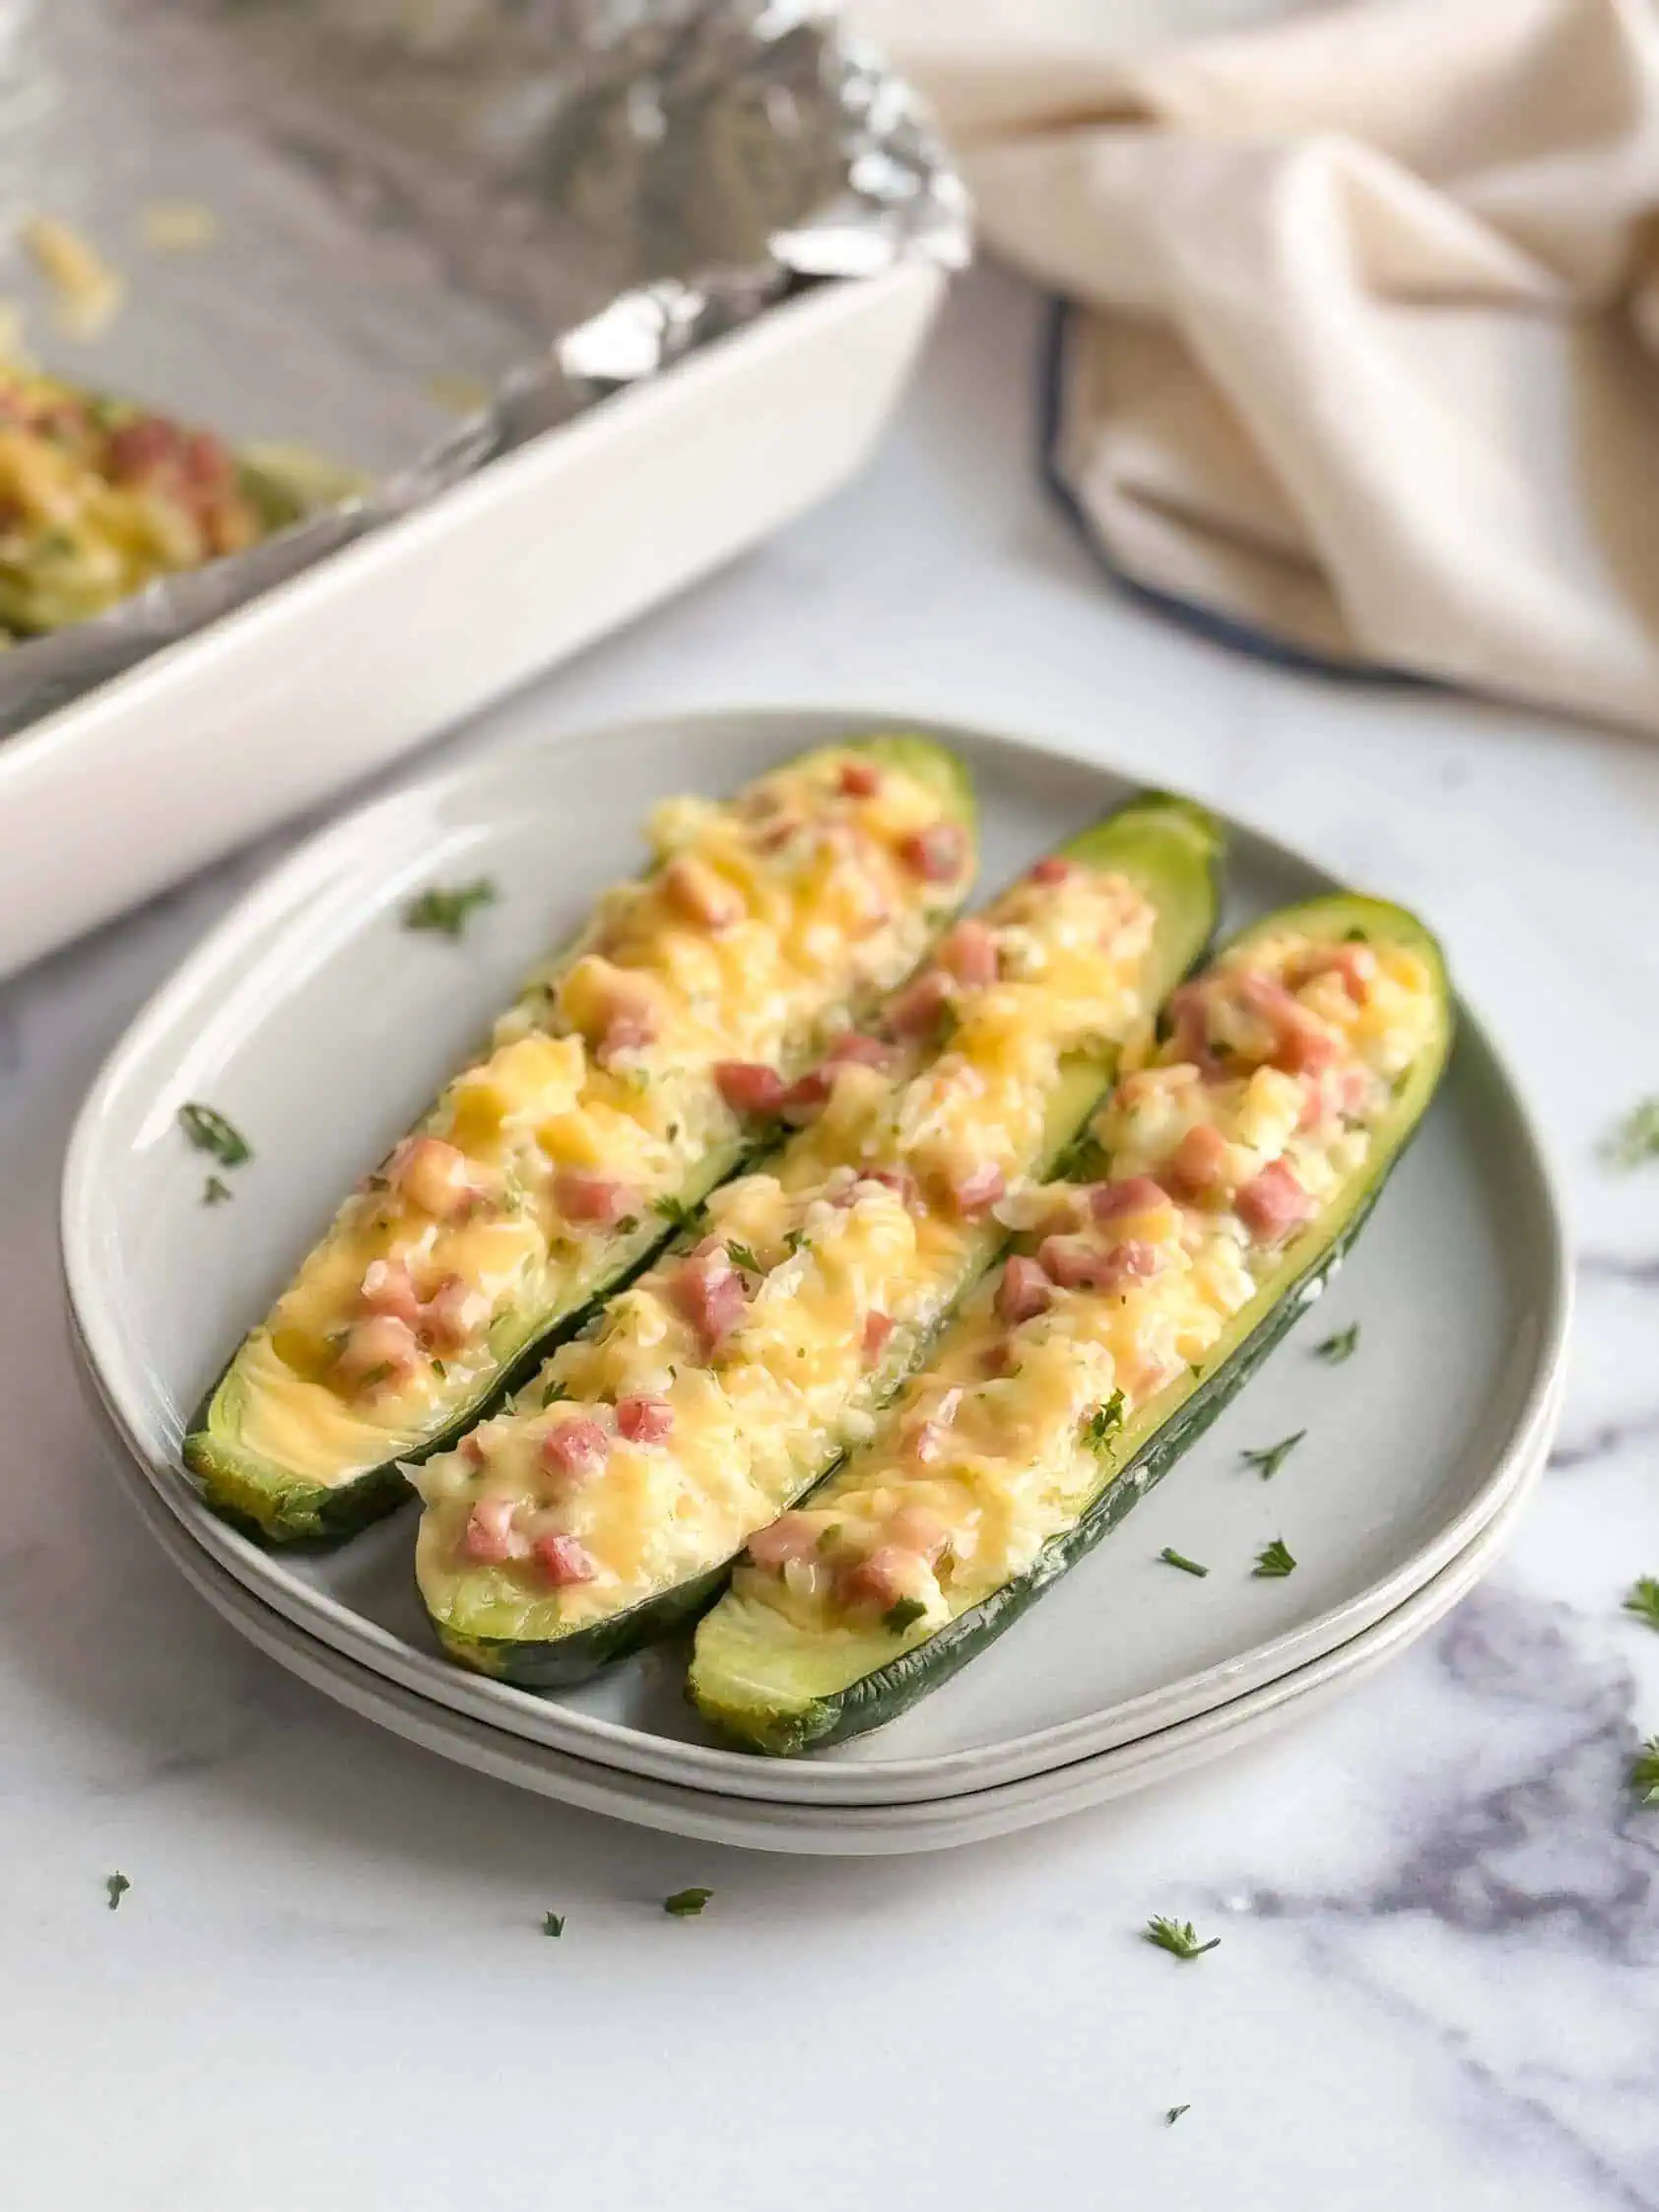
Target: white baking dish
(384, 643)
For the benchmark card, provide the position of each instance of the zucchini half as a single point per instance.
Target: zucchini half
(324, 1495)
(770, 1684)
(483, 1615)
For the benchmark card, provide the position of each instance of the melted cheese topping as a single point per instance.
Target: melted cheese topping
(605, 1069)
(1019, 1415)
(845, 1277)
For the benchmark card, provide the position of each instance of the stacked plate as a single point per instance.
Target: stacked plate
(1418, 1452)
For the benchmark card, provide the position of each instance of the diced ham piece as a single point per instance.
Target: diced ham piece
(854, 1049)
(563, 1561)
(1273, 1203)
(577, 1448)
(1133, 1195)
(917, 1008)
(379, 1349)
(791, 1537)
(1024, 1290)
(455, 1314)
(389, 1288)
(697, 894)
(918, 1530)
(935, 854)
(436, 1176)
(1199, 1162)
(880, 1579)
(707, 1290)
(1355, 965)
(977, 1191)
(644, 1420)
(489, 1532)
(774, 836)
(1333, 1093)
(1050, 869)
(860, 779)
(1299, 1045)
(970, 954)
(749, 1085)
(1189, 1026)
(592, 1200)
(1078, 1263)
(878, 1328)
(805, 1098)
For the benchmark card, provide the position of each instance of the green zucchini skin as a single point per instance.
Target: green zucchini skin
(881, 1696)
(1172, 847)
(276, 1507)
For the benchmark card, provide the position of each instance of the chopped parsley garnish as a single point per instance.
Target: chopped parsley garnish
(1274, 1562)
(1104, 1423)
(796, 1241)
(1178, 1937)
(1645, 1772)
(679, 1216)
(446, 912)
(552, 1923)
(628, 1225)
(554, 1392)
(1176, 2110)
(118, 1887)
(830, 1537)
(377, 1375)
(1341, 1346)
(1179, 1559)
(686, 1904)
(743, 1255)
(1634, 1143)
(1643, 1599)
(904, 1614)
(209, 1131)
(440, 1370)
(214, 1191)
(1271, 1457)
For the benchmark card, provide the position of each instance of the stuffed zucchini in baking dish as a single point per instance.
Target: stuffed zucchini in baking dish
(1223, 1183)
(613, 1096)
(609, 1500)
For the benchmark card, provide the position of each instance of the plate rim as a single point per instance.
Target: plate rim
(827, 1829)
(306, 872)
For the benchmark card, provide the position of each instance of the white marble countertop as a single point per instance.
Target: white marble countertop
(329, 1987)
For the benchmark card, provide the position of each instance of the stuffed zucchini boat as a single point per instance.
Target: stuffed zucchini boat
(607, 1503)
(614, 1093)
(1223, 1182)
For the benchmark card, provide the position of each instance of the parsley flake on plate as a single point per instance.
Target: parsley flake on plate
(552, 1923)
(1176, 2110)
(214, 1191)
(1274, 1561)
(1172, 1558)
(117, 1885)
(686, 1904)
(1341, 1346)
(1634, 1143)
(446, 912)
(1645, 1772)
(1643, 1599)
(209, 1131)
(1269, 1458)
(1178, 1937)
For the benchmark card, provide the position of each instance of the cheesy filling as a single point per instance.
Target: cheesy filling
(767, 919)
(1285, 1059)
(720, 1384)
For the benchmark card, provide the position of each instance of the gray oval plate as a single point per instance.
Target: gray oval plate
(322, 1027)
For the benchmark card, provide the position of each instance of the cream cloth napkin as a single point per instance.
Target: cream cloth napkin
(1366, 354)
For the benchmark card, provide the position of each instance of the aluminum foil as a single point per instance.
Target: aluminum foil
(541, 200)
